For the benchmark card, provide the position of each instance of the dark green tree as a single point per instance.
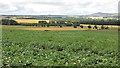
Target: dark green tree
(8, 22)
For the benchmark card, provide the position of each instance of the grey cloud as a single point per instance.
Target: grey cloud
(4, 7)
(49, 3)
(7, 9)
(79, 7)
(86, 4)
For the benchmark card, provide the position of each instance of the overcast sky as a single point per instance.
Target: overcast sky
(57, 7)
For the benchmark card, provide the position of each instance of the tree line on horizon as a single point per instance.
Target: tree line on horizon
(64, 23)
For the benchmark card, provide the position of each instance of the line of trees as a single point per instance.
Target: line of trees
(9, 22)
(64, 23)
(100, 22)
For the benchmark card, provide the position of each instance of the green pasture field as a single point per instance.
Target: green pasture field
(59, 48)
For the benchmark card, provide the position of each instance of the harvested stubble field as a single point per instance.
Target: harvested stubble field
(44, 28)
(59, 48)
(111, 28)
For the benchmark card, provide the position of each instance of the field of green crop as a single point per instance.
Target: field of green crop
(59, 48)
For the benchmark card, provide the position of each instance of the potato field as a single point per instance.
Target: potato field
(59, 48)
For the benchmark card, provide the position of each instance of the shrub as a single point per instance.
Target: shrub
(118, 29)
(60, 26)
(95, 27)
(81, 26)
(89, 27)
(75, 26)
(48, 25)
(106, 27)
(102, 27)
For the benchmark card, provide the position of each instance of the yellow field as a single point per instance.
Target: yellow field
(99, 26)
(29, 20)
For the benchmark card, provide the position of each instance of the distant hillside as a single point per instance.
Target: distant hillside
(100, 14)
